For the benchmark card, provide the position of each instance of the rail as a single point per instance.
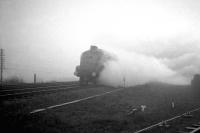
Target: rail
(173, 118)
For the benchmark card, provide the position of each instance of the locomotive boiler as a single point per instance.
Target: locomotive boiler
(91, 64)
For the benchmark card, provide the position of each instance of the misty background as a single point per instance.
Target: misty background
(152, 39)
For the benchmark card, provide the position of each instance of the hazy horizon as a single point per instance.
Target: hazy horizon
(47, 37)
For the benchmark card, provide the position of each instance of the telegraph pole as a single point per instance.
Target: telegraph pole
(34, 78)
(2, 65)
(124, 81)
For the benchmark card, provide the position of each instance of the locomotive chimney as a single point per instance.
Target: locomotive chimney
(93, 48)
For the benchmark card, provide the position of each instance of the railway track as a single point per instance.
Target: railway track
(165, 125)
(31, 85)
(17, 91)
(194, 128)
(75, 101)
(81, 103)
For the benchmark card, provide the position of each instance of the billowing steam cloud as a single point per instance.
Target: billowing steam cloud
(135, 68)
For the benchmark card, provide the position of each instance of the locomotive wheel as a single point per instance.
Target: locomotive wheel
(94, 81)
(83, 81)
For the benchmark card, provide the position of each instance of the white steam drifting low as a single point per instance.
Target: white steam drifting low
(137, 68)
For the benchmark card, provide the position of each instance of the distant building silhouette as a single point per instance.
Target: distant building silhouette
(195, 83)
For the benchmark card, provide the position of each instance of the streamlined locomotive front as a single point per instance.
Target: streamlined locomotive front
(90, 65)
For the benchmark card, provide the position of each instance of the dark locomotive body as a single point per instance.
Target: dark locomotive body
(91, 64)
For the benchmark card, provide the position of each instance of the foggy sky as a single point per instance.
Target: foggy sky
(46, 37)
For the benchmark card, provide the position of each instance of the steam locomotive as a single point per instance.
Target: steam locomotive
(91, 65)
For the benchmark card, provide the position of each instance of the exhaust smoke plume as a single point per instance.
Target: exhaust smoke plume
(160, 39)
(135, 68)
